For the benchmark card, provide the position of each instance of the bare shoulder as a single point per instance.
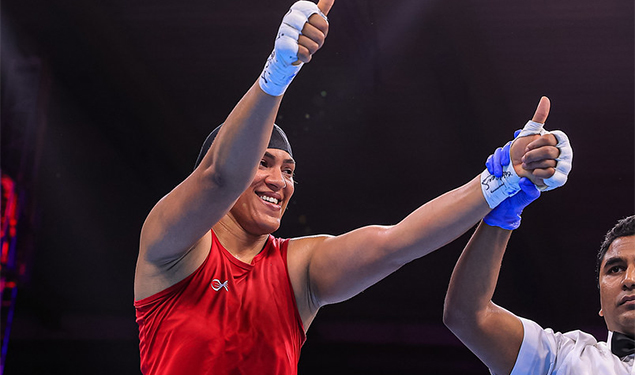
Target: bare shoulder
(308, 242)
(151, 278)
(301, 250)
(299, 254)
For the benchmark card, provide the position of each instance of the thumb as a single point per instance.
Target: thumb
(325, 5)
(542, 111)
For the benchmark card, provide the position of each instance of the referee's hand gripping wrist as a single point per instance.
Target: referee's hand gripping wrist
(507, 214)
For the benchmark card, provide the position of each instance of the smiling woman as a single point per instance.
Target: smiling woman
(259, 209)
(212, 286)
(407, 101)
(216, 291)
(214, 231)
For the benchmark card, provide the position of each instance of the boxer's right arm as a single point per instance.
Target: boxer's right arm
(181, 218)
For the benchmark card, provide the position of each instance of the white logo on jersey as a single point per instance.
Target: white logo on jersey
(217, 285)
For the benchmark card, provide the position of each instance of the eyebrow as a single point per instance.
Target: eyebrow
(269, 155)
(612, 261)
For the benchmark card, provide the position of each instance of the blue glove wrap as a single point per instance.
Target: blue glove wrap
(507, 214)
(500, 158)
(499, 181)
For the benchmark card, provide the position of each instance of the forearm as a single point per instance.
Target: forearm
(347, 264)
(438, 222)
(489, 331)
(475, 275)
(242, 140)
(229, 165)
(184, 215)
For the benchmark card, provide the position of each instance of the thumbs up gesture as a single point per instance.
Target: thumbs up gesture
(544, 157)
(301, 34)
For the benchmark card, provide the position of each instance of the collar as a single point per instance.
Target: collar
(609, 339)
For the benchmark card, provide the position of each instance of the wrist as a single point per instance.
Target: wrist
(280, 70)
(497, 189)
(277, 75)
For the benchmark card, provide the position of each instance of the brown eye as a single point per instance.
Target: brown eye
(615, 269)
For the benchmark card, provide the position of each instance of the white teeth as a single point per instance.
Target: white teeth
(269, 199)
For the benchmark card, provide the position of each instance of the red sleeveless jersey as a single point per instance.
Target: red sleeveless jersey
(228, 317)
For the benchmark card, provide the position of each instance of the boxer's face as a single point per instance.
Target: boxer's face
(617, 285)
(260, 207)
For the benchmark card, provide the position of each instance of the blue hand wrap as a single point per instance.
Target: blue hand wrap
(507, 214)
(500, 159)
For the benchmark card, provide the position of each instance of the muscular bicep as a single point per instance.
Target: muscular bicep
(175, 238)
(326, 269)
(183, 216)
(341, 267)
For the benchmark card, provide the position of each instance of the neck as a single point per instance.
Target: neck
(241, 244)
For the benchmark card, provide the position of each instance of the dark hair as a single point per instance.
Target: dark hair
(624, 227)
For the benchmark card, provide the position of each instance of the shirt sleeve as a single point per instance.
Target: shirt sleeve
(538, 352)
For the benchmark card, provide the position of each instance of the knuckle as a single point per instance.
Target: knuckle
(308, 44)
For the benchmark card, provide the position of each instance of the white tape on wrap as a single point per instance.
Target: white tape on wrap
(495, 190)
(531, 128)
(279, 70)
(564, 162)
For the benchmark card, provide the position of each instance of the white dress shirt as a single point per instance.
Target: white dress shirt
(545, 352)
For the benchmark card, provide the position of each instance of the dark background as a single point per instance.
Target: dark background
(109, 101)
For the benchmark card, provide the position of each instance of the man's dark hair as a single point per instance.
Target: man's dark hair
(624, 227)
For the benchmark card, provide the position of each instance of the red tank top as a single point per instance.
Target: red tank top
(228, 317)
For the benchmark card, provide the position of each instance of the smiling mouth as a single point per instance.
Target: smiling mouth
(269, 199)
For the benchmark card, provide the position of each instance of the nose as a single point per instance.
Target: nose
(275, 179)
(629, 277)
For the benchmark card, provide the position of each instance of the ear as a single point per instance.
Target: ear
(601, 313)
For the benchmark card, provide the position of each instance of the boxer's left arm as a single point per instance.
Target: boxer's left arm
(339, 267)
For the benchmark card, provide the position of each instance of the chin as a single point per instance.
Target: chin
(266, 227)
(628, 322)
(624, 323)
(269, 230)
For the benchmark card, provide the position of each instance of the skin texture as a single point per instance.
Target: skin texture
(175, 237)
(617, 286)
(495, 334)
(225, 193)
(488, 330)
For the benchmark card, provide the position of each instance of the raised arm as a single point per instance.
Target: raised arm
(488, 330)
(340, 267)
(492, 333)
(179, 221)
